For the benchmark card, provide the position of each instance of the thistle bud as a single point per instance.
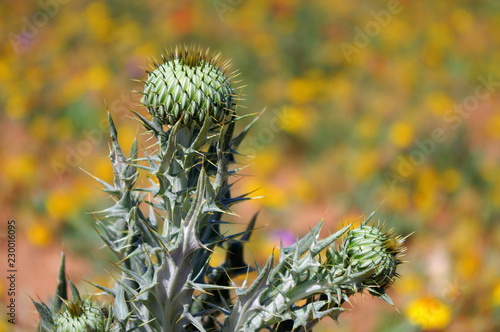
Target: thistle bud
(375, 254)
(81, 316)
(189, 84)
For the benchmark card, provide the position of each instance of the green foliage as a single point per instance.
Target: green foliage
(164, 234)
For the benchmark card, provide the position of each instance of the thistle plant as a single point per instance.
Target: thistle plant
(164, 234)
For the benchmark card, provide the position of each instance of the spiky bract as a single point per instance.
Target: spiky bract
(189, 84)
(80, 316)
(374, 251)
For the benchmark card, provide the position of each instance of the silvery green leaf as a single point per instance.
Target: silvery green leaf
(305, 242)
(75, 294)
(62, 287)
(120, 305)
(45, 315)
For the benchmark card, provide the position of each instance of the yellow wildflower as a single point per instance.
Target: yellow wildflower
(295, 119)
(401, 134)
(300, 91)
(15, 107)
(493, 126)
(39, 234)
(97, 77)
(60, 205)
(98, 20)
(495, 295)
(429, 313)
(267, 161)
(438, 103)
(274, 196)
(20, 168)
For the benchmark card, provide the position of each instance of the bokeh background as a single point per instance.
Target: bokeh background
(382, 105)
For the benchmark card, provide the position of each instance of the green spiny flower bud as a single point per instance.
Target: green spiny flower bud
(189, 84)
(80, 316)
(374, 252)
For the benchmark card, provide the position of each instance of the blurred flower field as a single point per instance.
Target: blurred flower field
(380, 105)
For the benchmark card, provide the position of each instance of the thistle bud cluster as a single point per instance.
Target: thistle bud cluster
(81, 316)
(303, 288)
(189, 85)
(164, 233)
(65, 315)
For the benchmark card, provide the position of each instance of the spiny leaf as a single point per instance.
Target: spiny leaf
(75, 294)
(250, 228)
(120, 305)
(304, 243)
(324, 243)
(147, 124)
(167, 154)
(104, 289)
(45, 316)
(62, 288)
(236, 141)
